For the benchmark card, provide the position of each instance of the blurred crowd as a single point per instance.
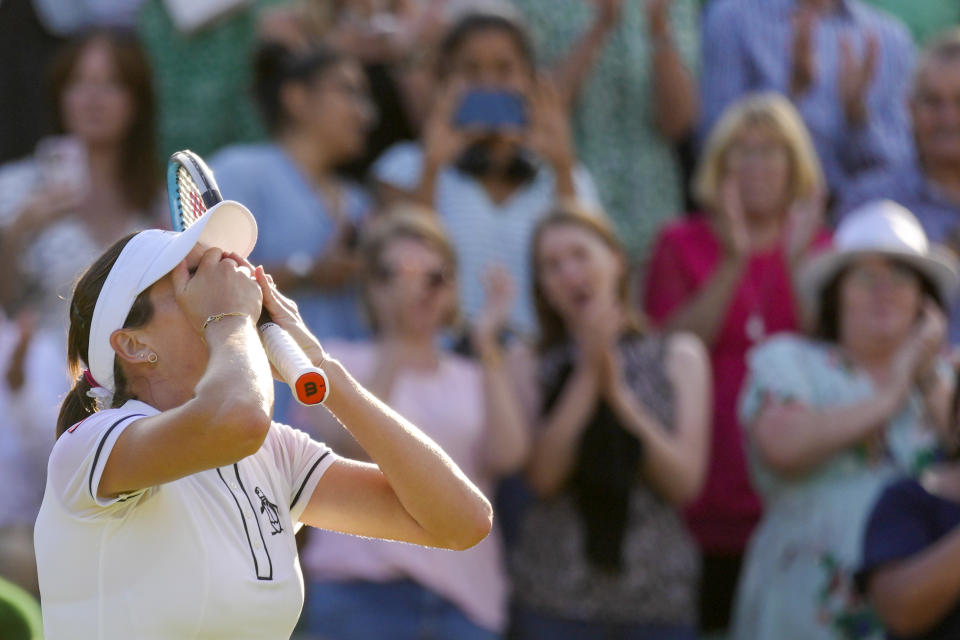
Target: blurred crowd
(674, 280)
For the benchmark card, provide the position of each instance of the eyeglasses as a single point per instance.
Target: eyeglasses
(896, 276)
(434, 279)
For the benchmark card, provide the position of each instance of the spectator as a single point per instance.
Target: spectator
(847, 69)
(728, 278)
(489, 188)
(360, 589)
(31, 386)
(316, 105)
(629, 78)
(832, 419)
(61, 208)
(203, 77)
(910, 556)
(929, 185)
(621, 442)
(58, 210)
(924, 19)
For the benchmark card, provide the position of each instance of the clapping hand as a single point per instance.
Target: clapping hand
(731, 220)
(804, 219)
(856, 76)
(500, 292)
(803, 67)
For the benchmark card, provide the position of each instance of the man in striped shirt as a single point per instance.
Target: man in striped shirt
(845, 65)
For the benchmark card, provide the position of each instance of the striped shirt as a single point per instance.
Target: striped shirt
(747, 46)
(483, 232)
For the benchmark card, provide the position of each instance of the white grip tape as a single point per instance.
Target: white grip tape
(308, 383)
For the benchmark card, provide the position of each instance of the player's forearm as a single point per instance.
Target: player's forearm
(237, 378)
(429, 485)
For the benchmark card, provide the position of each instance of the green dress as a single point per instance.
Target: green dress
(203, 80)
(797, 579)
(635, 168)
(924, 18)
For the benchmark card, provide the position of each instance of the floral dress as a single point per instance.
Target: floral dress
(797, 580)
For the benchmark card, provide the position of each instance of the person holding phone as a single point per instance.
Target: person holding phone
(495, 155)
(831, 419)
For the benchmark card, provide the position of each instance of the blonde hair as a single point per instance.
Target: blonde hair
(766, 109)
(411, 222)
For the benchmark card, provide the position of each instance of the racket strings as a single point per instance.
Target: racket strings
(190, 198)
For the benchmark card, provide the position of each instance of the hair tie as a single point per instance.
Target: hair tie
(89, 378)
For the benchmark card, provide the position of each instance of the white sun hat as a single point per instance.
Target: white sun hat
(146, 258)
(880, 227)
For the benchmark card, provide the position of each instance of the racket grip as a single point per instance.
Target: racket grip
(308, 383)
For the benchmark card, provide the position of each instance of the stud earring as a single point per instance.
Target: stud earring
(152, 358)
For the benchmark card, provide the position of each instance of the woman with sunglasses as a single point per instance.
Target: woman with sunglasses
(359, 589)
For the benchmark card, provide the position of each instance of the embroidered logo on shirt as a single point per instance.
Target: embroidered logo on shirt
(271, 510)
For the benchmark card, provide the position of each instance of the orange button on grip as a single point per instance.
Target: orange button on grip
(311, 388)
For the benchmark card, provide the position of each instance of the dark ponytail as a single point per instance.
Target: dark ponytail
(274, 65)
(77, 405)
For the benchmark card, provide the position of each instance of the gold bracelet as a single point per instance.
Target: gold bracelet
(217, 317)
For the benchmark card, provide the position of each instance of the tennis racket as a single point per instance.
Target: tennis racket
(192, 190)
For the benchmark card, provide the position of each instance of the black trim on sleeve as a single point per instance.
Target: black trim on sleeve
(304, 483)
(103, 441)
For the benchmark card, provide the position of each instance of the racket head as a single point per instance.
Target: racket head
(191, 189)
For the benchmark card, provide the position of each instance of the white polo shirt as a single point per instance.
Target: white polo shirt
(211, 555)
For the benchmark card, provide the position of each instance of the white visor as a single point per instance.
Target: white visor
(149, 256)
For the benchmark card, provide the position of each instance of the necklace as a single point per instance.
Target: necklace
(755, 328)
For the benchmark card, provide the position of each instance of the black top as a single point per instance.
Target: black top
(905, 521)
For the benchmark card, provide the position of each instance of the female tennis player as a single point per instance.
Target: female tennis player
(170, 511)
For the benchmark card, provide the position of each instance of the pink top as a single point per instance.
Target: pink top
(686, 254)
(448, 405)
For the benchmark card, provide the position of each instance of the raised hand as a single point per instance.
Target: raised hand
(549, 134)
(804, 219)
(493, 317)
(930, 335)
(608, 11)
(803, 69)
(658, 17)
(222, 283)
(856, 77)
(731, 220)
(443, 142)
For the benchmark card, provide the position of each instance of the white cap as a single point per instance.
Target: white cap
(886, 228)
(149, 256)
